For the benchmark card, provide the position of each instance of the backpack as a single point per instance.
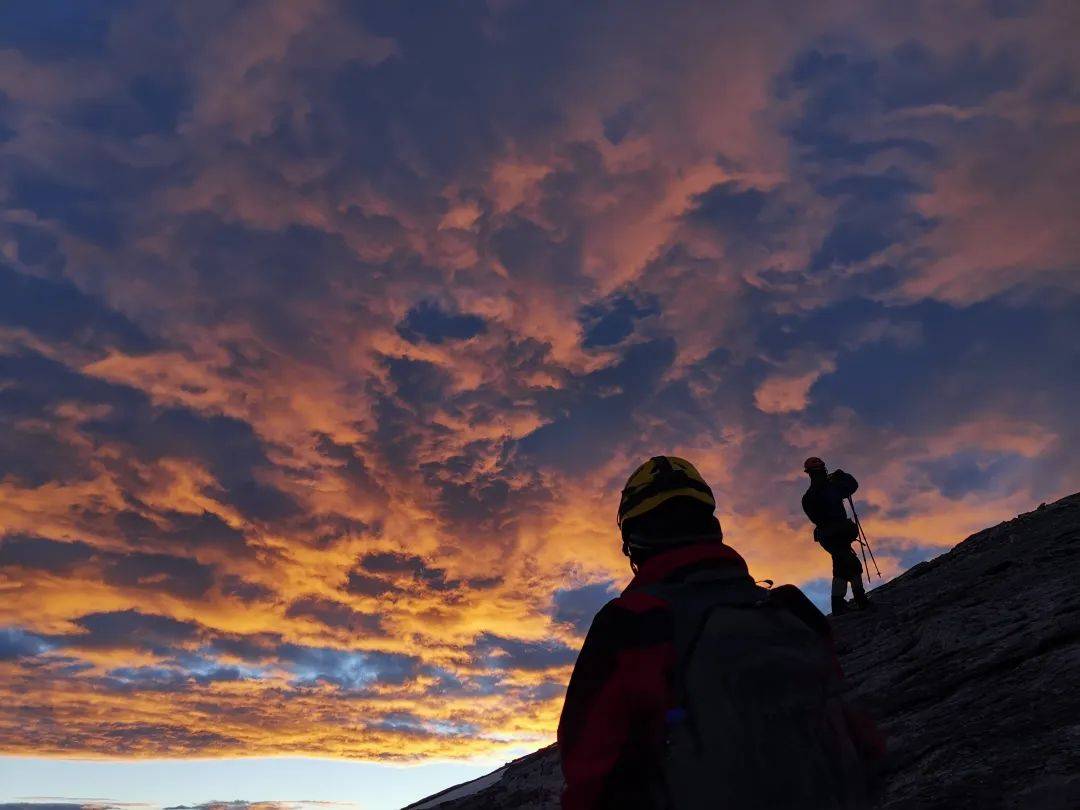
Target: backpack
(845, 482)
(837, 536)
(757, 722)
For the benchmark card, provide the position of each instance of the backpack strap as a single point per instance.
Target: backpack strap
(795, 602)
(692, 602)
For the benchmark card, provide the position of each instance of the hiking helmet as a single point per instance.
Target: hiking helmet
(659, 480)
(812, 464)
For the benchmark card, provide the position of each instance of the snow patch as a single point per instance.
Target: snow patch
(461, 791)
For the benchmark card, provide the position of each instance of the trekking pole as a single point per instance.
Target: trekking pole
(866, 542)
(862, 548)
(863, 539)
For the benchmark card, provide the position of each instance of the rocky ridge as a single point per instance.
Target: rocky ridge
(970, 664)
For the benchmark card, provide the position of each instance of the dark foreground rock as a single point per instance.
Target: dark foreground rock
(971, 664)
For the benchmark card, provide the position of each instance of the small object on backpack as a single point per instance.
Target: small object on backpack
(675, 716)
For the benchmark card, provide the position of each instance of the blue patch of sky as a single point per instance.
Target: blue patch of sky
(417, 382)
(851, 241)
(122, 628)
(144, 678)
(818, 591)
(18, 643)
(917, 76)
(153, 105)
(875, 212)
(968, 472)
(409, 722)
(731, 207)
(842, 87)
(431, 322)
(86, 211)
(345, 669)
(839, 90)
(548, 690)
(956, 357)
(577, 606)
(621, 123)
(500, 653)
(59, 29)
(913, 555)
(598, 410)
(477, 102)
(610, 322)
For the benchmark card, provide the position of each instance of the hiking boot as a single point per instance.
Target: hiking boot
(839, 606)
(859, 601)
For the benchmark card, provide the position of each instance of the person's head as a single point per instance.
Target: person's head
(665, 504)
(815, 468)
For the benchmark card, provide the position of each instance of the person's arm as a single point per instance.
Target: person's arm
(816, 507)
(595, 720)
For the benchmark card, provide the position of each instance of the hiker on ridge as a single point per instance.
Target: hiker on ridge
(834, 530)
(698, 689)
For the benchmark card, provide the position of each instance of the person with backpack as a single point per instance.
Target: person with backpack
(823, 503)
(696, 688)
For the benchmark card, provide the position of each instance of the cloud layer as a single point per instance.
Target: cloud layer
(329, 333)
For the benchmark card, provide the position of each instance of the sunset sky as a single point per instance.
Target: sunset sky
(329, 333)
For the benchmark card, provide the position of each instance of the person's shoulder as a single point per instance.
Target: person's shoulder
(633, 618)
(635, 601)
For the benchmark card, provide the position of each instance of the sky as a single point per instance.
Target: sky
(329, 333)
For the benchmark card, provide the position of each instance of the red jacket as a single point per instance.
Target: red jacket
(611, 733)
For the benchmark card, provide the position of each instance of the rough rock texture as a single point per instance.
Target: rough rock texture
(971, 665)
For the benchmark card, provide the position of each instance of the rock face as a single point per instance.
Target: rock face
(970, 664)
(533, 782)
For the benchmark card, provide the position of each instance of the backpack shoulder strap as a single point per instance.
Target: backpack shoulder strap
(692, 602)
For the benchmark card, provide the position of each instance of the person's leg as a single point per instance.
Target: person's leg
(839, 591)
(858, 591)
(854, 572)
(839, 583)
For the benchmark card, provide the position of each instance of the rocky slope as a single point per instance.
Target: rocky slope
(971, 664)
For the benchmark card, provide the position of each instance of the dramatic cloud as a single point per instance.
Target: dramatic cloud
(329, 333)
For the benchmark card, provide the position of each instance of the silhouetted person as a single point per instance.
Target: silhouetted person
(698, 689)
(834, 530)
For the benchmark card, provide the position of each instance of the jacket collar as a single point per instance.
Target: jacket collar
(710, 553)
